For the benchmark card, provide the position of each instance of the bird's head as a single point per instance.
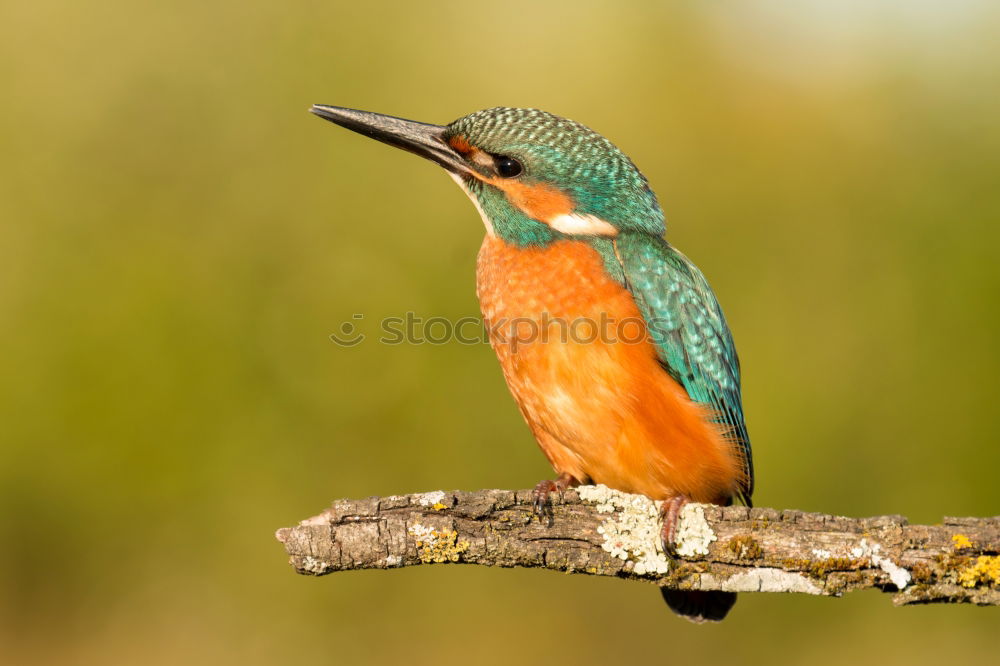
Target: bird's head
(535, 177)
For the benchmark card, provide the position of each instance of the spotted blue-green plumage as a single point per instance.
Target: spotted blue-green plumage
(689, 330)
(599, 177)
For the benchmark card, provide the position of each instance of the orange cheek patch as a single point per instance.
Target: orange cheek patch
(538, 201)
(541, 202)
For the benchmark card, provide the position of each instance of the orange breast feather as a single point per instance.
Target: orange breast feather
(573, 349)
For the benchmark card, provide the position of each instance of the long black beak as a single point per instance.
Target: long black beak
(418, 138)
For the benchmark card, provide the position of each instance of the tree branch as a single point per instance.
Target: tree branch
(602, 532)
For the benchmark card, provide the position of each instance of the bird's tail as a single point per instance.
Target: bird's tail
(698, 606)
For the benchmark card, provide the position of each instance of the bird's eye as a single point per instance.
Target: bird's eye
(507, 167)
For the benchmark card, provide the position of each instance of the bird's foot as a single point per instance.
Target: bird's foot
(670, 512)
(541, 504)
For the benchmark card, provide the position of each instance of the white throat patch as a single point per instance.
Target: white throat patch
(576, 224)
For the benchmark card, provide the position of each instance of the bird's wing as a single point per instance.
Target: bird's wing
(690, 333)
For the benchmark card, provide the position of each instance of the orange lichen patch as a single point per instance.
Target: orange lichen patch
(961, 541)
(601, 407)
(985, 571)
(538, 201)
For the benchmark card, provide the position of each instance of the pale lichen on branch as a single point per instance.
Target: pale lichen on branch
(599, 531)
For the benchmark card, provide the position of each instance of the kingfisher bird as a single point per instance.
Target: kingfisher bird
(648, 400)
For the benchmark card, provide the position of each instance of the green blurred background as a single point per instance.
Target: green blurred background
(178, 238)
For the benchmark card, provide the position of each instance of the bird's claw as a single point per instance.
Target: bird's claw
(670, 512)
(541, 505)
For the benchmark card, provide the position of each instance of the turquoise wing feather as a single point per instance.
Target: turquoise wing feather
(686, 323)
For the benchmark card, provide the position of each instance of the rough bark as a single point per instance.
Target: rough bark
(597, 531)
